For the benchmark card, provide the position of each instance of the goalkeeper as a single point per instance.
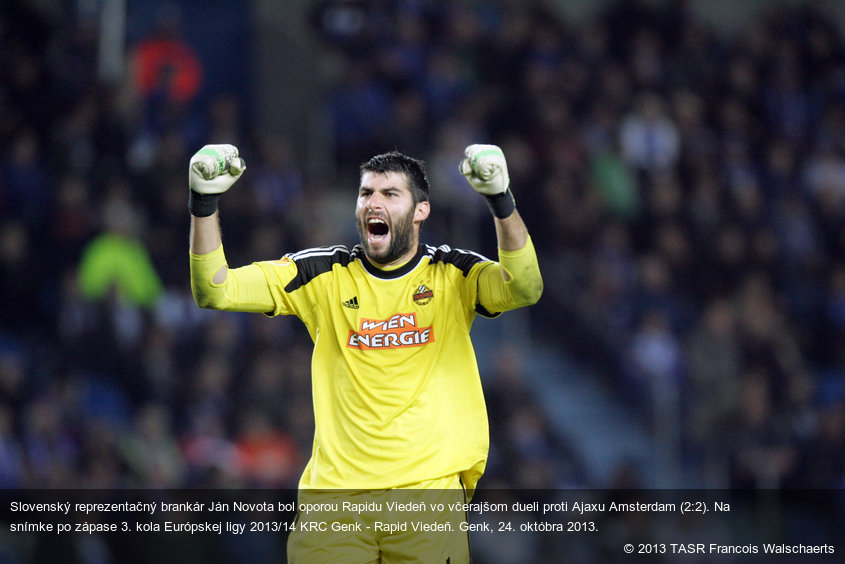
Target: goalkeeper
(398, 404)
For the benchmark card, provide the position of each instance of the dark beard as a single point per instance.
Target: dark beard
(401, 232)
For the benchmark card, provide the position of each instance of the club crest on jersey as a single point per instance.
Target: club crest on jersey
(397, 332)
(423, 295)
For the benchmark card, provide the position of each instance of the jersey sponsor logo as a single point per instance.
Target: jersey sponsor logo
(423, 295)
(397, 332)
(351, 303)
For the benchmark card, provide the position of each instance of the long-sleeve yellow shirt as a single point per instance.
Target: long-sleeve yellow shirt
(396, 390)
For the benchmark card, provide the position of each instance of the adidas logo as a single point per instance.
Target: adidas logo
(351, 304)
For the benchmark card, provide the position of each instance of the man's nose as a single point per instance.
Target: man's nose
(376, 201)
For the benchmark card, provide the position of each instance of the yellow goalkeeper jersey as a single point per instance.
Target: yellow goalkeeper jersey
(396, 389)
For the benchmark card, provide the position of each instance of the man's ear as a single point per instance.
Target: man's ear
(421, 212)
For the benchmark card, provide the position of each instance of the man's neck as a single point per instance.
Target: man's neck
(398, 263)
(394, 268)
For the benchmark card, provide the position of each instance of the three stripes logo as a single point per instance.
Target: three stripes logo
(351, 303)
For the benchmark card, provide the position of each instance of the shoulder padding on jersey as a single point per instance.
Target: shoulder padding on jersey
(311, 263)
(459, 258)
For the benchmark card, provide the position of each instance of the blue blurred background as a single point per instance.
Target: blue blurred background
(680, 164)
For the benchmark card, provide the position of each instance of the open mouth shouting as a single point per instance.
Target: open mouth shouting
(377, 231)
(386, 240)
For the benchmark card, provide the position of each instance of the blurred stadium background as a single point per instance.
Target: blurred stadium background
(681, 166)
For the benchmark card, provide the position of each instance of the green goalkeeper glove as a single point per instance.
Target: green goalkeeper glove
(485, 169)
(212, 171)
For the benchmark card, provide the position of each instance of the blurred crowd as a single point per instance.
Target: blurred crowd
(685, 191)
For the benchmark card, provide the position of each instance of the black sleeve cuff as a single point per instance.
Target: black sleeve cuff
(202, 205)
(501, 205)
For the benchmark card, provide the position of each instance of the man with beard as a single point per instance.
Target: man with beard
(400, 420)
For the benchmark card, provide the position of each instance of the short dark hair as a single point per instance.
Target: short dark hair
(414, 169)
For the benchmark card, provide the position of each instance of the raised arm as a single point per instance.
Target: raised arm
(205, 234)
(213, 170)
(204, 238)
(517, 281)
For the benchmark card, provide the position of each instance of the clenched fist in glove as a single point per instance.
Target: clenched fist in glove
(486, 170)
(212, 171)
